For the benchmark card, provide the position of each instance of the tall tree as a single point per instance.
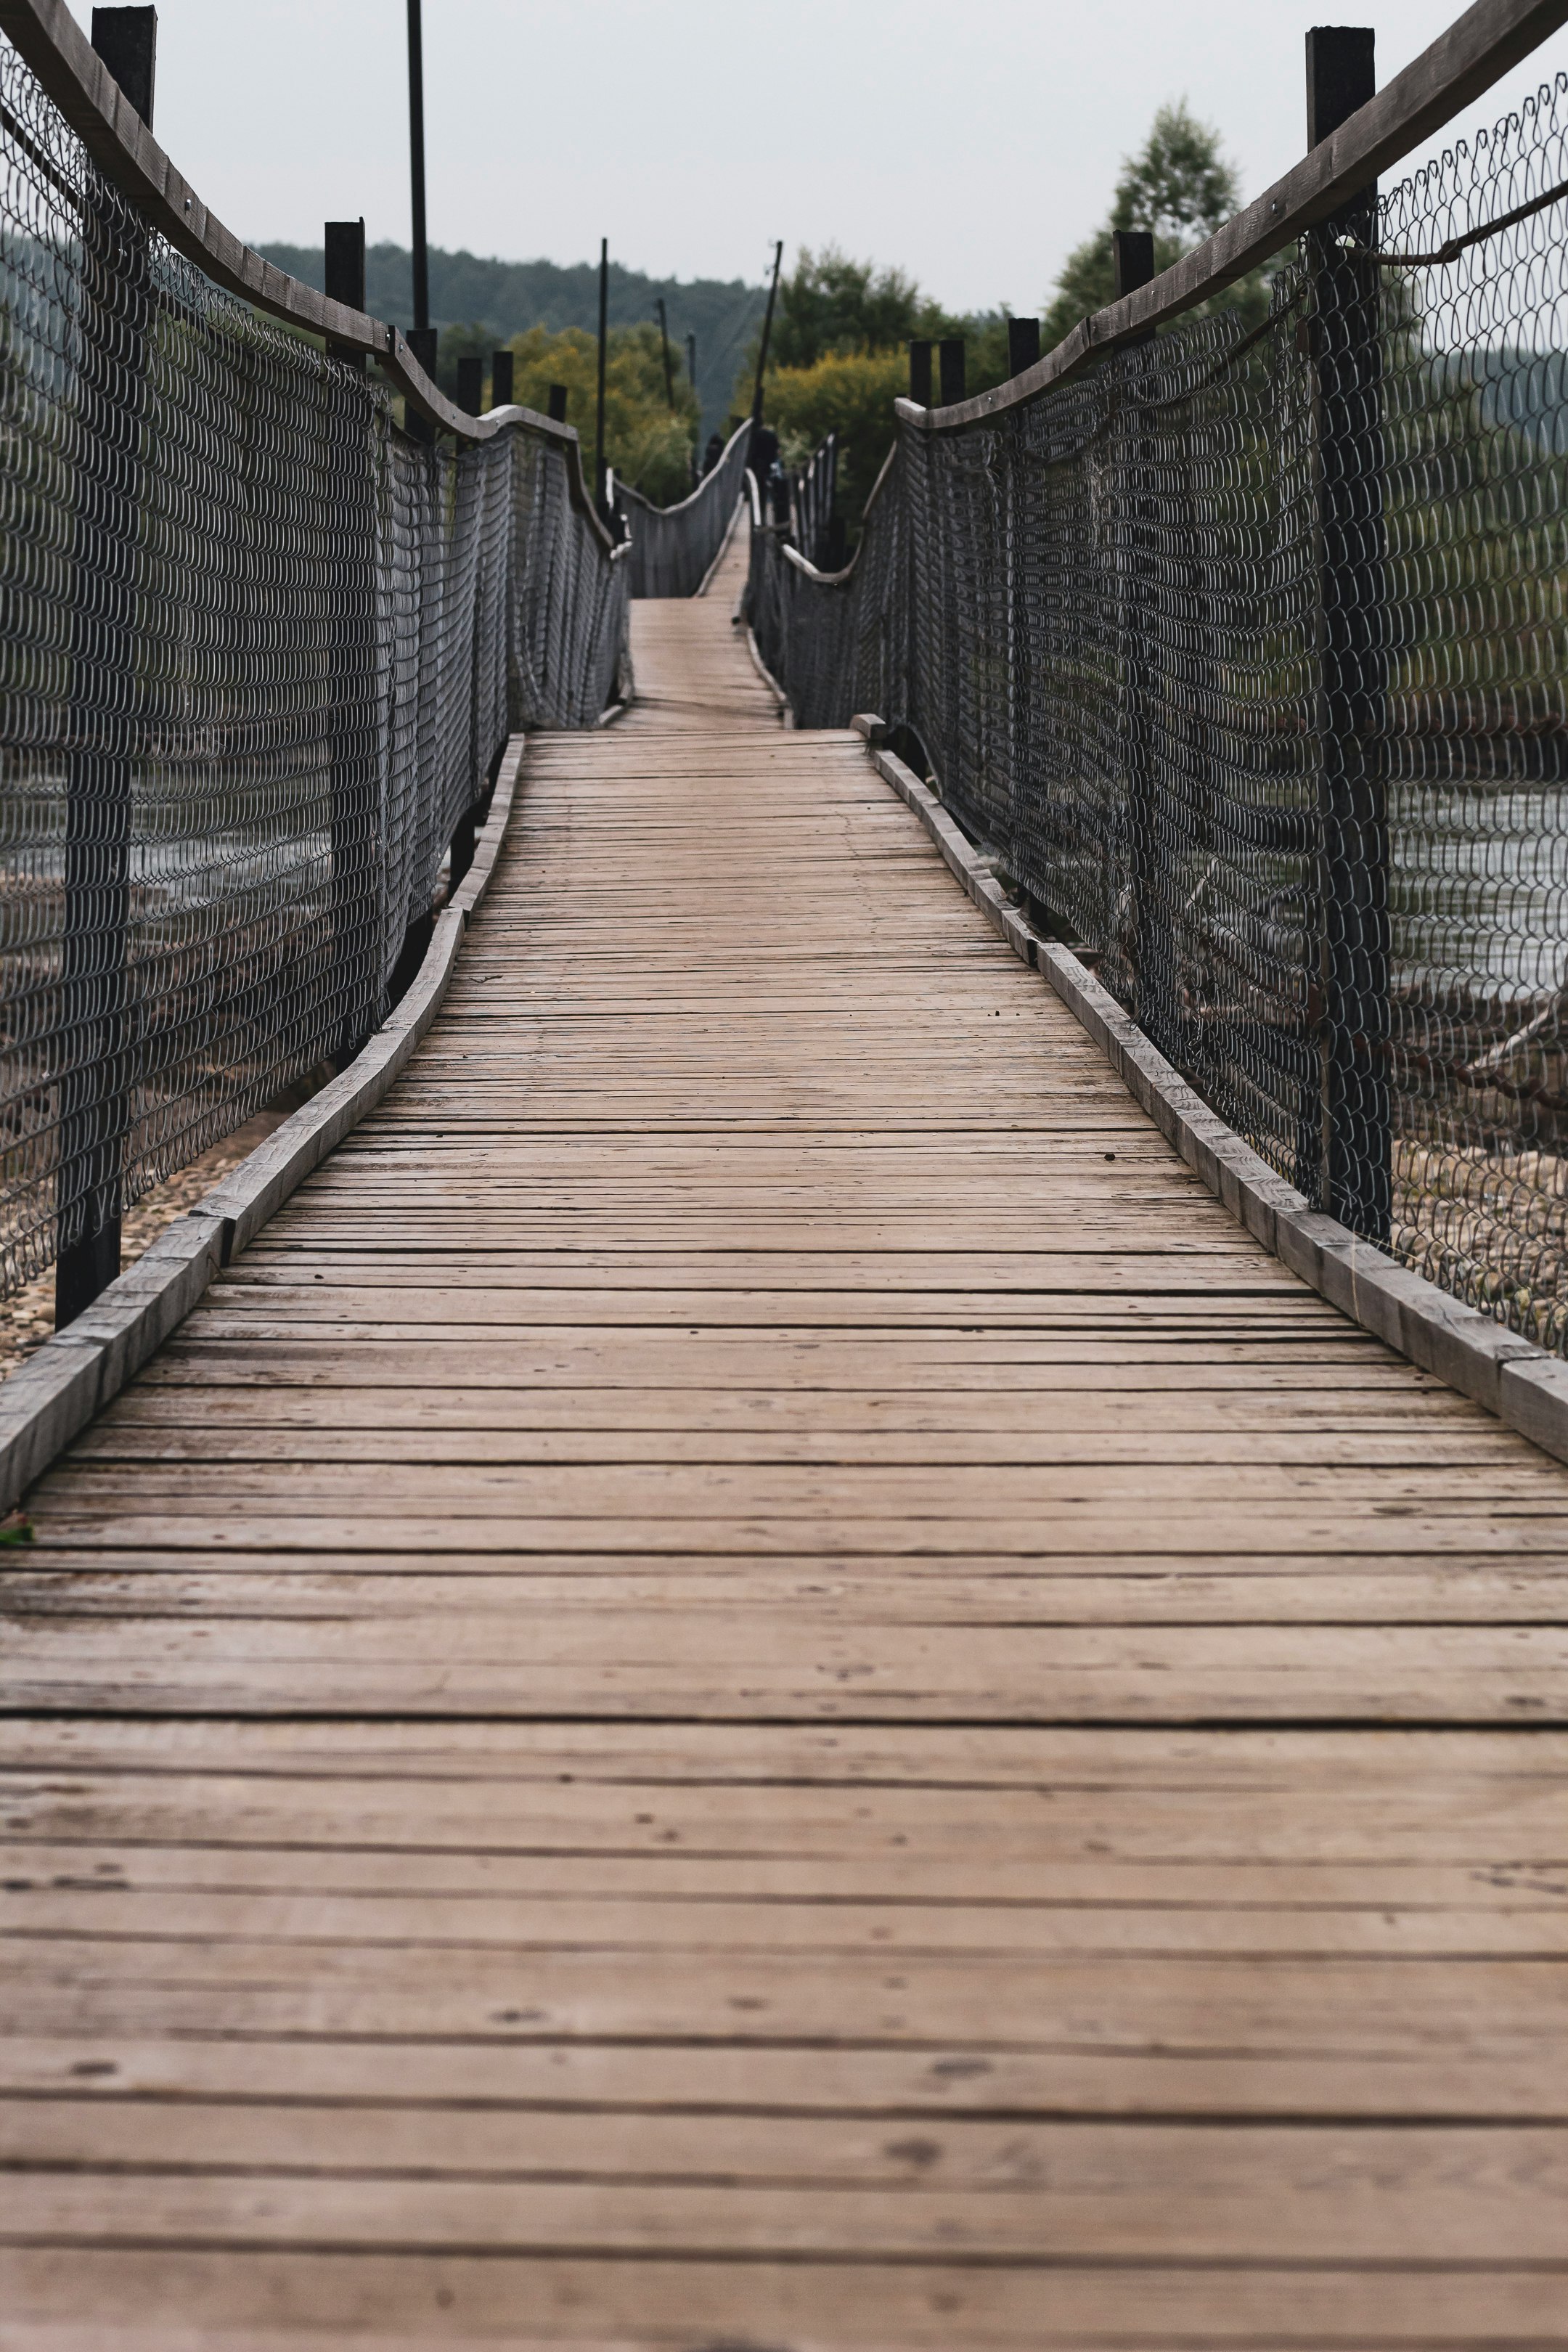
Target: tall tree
(830, 305)
(1180, 186)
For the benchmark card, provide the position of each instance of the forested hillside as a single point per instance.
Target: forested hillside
(508, 297)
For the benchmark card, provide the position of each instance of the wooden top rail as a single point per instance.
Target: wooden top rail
(1476, 51)
(53, 44)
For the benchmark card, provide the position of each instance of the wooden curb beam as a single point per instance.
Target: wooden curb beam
(49, 1399)
(1508, 1375)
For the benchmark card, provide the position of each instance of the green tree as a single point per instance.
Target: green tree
(829, 304)
(848, 392)
(648, 443)
(473, 340)
(1181, 187)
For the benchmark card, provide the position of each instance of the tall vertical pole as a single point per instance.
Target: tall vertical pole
(350, 632)
(920, 372)
(1354, 1170)
(767, 333)
(599, 412)
(697, 428)
(950, 366)
(416, 167)
(1144, 942)
(502, 378)
(664, 339)
(96, 1075)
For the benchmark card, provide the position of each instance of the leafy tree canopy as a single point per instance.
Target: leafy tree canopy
(848, 392)
(1181, 187)
(838, 358)
(1179, 182)
(647, 441)
(831, 304)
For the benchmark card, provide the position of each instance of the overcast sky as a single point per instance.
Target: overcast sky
(972, 144)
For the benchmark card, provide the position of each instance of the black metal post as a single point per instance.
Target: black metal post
(664, 340)
(691, 359)
(351, 623)
(1352, 1174)
(557, 409)
(97, 1077)
(767, 337)
(127, 41)
(424, 344)
(1132, 257)
(471, 383)
(1023, 344)
(1144, 941)
(919, 373)
(344, 245)
(417, 166)
(951, 355)
(599, 412)
(501, 379)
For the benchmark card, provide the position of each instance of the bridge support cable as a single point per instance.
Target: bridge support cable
(1239, 651)
(261, 650)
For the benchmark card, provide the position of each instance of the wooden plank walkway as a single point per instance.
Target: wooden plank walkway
(755, 1684)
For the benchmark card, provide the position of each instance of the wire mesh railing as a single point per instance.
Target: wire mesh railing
(673, 548)
(260, 652)
(816, 525)
(1247, 655)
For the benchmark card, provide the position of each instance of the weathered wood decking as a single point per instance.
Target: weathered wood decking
(755, 1683)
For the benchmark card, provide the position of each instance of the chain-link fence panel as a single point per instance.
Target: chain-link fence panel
(673, 548)
(260, 652)
(1247, 655)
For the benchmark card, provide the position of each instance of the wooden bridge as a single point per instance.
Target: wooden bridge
(755, 1683)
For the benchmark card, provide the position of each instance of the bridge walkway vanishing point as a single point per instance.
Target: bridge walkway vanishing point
(755, 1682)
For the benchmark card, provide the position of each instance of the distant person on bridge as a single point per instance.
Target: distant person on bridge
(762, 460)
(714, 451)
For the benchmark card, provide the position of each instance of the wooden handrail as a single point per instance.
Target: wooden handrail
(52, 43)
(1477, 50)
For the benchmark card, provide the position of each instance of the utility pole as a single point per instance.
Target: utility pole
(767, 331)
(416, 170)
(664, 339)
(604, 335)
(691, 359)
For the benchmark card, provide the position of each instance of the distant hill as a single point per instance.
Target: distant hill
(508, 296)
